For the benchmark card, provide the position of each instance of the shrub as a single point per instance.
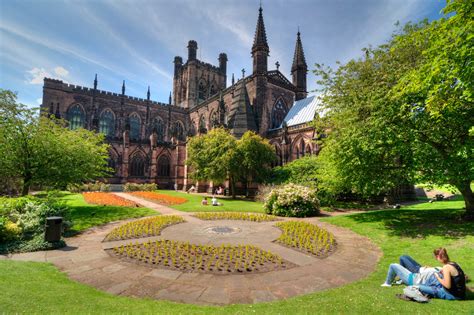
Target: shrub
(292, 201)
(140, 187)
(97, 186)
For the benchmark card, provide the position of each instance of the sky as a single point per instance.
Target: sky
(137, 40)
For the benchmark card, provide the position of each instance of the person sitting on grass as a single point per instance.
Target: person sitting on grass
(214, 201)
(204, 201)
(410, 272)
(448, 283)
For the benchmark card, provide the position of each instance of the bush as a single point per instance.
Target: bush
(292, 201)
(139, 187)
(97, 186)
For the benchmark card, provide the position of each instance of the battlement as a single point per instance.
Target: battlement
(205, 65)
(60, 85)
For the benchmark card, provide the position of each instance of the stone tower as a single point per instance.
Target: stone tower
(196, 81)
(299, 70)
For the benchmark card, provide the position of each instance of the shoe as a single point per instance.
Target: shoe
(398, 282)
(385, 285)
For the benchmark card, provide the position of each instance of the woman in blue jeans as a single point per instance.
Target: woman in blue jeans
(448, 284)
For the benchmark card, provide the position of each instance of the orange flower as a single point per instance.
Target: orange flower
(107, 199)
(160, 198)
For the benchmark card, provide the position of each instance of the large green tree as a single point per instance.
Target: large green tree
(252, 159)
(37, 150)
(403, 112)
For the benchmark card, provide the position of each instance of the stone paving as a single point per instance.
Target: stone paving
(85, 261)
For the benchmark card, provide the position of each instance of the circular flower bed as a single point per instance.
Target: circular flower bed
(255, 217)
(306, 237)
(143, 228)
(183, 256)
(160, 198)
(292, 201)
(107, 199)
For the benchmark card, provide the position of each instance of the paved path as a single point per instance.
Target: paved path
(85, 261)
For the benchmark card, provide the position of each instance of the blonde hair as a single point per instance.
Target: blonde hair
(442, 254)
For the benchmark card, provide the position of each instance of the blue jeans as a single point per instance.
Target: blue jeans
(437, 291)
(397, 270)
(410, 264)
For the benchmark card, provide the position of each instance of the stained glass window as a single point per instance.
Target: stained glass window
(107, 123)
(137, 166)
(214, 119)
(76, 117)
(159, 128)
(278, 114)
(202, 124)
(134, 127)
(180, 131)
(202, 91)
(164, 166)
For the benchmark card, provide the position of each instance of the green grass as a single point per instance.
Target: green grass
(86, 215)
(415, 230)
(194, 203)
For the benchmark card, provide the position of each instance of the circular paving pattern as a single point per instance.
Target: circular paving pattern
(222, 230)
(86, 260)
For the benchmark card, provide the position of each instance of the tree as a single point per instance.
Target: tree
(403, 112)
(209, 155)
(39, 150)
(303, 171)
(252, 159)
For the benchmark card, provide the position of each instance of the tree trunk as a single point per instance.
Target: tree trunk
(26, 188)
(466, 192)
(232, 187)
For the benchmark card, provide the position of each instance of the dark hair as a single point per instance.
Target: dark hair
(442, 253)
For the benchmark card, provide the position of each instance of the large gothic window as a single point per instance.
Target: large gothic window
(159, 128)
(137, 166)
(213, 90)
(135, 125)
(202, 124)
(278, 114)
(164, 166)
(202, 91)
(179, 129)
(112, 164)
(76, 117)
(107, 123)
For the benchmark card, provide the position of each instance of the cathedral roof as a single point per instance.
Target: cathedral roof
(298, 58)
(304, 111)
(260, 38)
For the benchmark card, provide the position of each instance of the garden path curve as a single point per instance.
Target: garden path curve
(85, 261)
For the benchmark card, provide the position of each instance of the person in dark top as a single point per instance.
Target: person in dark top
(451, 283)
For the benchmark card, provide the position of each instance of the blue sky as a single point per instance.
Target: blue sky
(136, 41)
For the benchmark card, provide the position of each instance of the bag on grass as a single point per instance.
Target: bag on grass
(415, 294)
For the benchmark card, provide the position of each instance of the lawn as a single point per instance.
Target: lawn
(194, 203)
(415, 230)
(86, 215)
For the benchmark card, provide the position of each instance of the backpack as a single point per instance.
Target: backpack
(414, 293)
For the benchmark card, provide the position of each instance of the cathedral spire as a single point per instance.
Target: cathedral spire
(299, 69)
(260, 47)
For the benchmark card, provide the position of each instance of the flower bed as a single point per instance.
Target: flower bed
(255, 217)
(160, 198)
(183, 256)
(107, 199)
(307, 237)
(143, 228)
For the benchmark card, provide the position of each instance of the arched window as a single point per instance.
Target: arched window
(308, 149)
(76, 117)
(202, 124)
(202, 91)
(302, 146)
(213, 90)
(159, 128)
(137, 165)
(135, 126)
(111, 163)
(164, 166)
(192, 128)
(278, 113)
(107, 123)
(180, 131)
(214, 119)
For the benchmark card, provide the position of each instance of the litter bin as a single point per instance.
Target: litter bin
(53, 229)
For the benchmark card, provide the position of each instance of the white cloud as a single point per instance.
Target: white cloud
(36, 75)
(60, 71)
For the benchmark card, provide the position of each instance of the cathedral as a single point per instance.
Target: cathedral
(148, 138)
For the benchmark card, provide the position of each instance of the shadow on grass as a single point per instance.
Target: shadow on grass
(420, 223)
